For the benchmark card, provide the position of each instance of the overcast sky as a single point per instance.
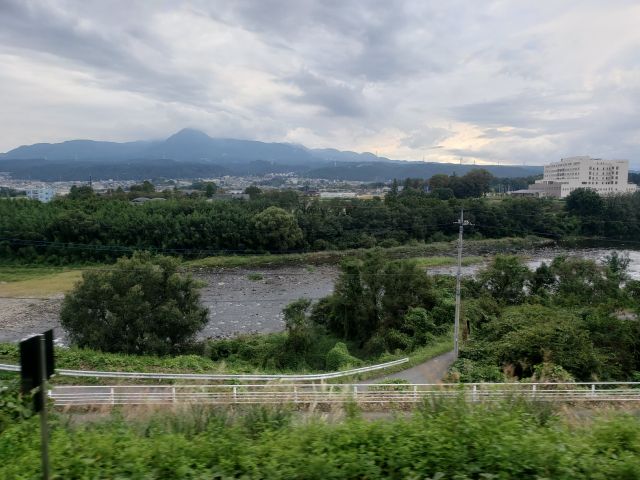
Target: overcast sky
(491, 81)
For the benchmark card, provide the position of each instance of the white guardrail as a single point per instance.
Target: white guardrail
(212, 377)
(69, 396)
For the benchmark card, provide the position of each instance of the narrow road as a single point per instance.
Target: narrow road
(431, 371)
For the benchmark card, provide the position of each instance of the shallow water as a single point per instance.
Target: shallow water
(534, 259)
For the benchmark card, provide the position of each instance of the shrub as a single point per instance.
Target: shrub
(339, 357)
(397, 340)
(13, 406)
(141, 305)
(468, 371)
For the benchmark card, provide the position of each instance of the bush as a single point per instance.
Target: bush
(397, 340)
(468, 371)
(550, 372)
(339, 358)
(420, 326)
(141, 305)
(13, 406)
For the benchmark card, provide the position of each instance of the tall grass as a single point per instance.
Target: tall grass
(443, 439)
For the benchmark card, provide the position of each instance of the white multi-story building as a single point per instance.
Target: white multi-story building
(607, 177)
(44, 194)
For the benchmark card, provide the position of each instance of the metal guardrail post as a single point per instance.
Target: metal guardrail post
(593, 390)
(355, 392)
(173, 395)
(415, 393)
(113, 396)
(475, 393)
(235, 394)
(533, 391)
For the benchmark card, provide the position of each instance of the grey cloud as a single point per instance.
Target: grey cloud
(371, 71)
(333, 97)
(493, 133)
(425, 138)
(44, 29)
(377, 46)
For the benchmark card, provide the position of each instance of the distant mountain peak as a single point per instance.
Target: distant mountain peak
(189, 134)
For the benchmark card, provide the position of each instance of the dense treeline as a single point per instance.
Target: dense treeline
(106, 227)
(572, 319)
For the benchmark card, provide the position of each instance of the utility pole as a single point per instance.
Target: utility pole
(456, 326)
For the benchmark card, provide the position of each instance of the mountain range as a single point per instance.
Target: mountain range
(191, 153)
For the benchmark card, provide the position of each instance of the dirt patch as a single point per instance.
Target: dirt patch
(20, 318)
(240, 304)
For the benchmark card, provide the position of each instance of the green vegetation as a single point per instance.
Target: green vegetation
(256, 354)
(141, 305)
(86, 227)
(255, 277)
(573, 319)
(427, 254)
(85, 359)
(441, 440)
(17, 273)
(434, 262)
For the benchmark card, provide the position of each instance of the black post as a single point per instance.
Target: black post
(44, 427)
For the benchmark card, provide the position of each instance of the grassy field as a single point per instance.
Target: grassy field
(18, 281)
(434, 262)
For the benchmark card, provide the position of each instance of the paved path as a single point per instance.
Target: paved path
(431, 371)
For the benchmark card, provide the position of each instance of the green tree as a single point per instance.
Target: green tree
(83, 192)
(580, 281)
(372, 297)
(477, 182)
(505, 279)
(298, 326)
(253, 191)
(141, 305)
(276, 230)
(542, 280)
(526, 336)
(440, 180)
(210, 189)
(144, 187)
(584, 202)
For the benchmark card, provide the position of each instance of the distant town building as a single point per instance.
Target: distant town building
(338, 194)
(143, 200)
(43, 194)
(607, 177)
(231, 195)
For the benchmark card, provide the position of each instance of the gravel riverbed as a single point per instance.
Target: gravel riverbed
(239, 301)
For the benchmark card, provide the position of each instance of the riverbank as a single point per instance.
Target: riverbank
(333, 257)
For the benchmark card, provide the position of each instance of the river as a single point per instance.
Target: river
(535, 258)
